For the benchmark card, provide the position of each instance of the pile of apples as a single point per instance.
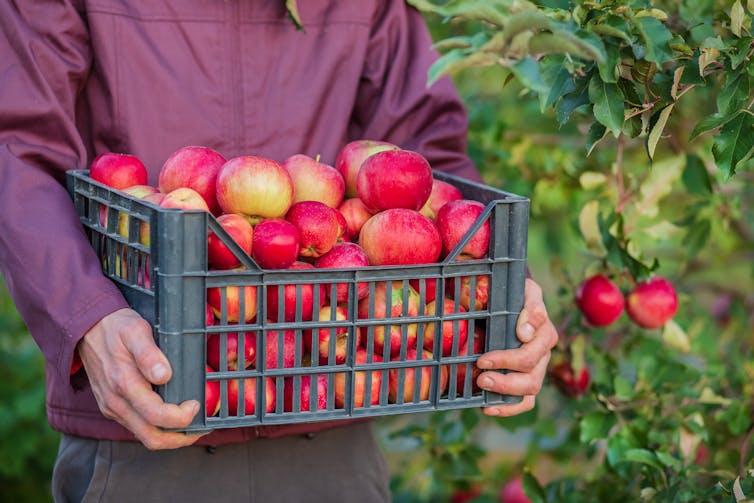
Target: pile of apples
(379, 205)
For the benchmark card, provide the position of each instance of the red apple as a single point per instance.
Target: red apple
(454, 219)
(155, 198)
(359, 383)
(466, 495)
(513, 491)
(250, 396)
(209, 318)
(400, 236)
(462, 287)
(233, 302)
(290, 349)
(196, 168)
(305, 394)
(652, 303)
(394, 179)
(275, 243)
(599, 300)
(570, 381)
(351, 157)
(255, 187)
(118, 171)
(211, 395)
(219, 255)
(442, 192)
(315, 181)
(345, 256)
(343, 233)
(405, 394)
(317, 225)
(184, 198)
(306, 299)
(449, 327)
(477, 348)
(430, 288)
(76, 363)
(355, 213)
(333, 338)
(384, 304)
(214, 341)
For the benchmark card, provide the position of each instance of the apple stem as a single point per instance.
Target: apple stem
(317, 157)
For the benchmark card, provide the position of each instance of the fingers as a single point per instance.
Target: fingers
(138, 340)
(534, 313)
(526, 357)
(516, 383)
(512, 409)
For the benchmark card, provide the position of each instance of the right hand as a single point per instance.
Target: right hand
(122, 362)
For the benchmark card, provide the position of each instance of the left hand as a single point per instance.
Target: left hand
(528, 362)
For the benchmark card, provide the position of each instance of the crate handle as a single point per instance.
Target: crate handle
(234, 247)
(483, 217)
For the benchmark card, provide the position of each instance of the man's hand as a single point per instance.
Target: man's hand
(538, 335)
(122, 362)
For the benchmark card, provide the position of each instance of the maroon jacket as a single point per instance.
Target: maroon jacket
(146, 77)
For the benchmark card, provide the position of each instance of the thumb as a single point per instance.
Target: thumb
(138, 339)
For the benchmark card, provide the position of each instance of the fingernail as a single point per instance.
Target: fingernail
(484, 364)
(159, 372)
(194, 407)
(526, 332)
(486, 382)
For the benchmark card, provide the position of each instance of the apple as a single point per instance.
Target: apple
(513, 491)
(255, 187)
(600, 301)
(194, 167)
(317, 225)
(291, 349)
(355, 214)
(359, 385)
(250, 396)
(211, 394)
(305, 393)
(449, 327)
(394, 179)
(306, 298)
(454, 219)
(343, 232)
(333, 338)
(462, 287)
(184, 198)
(341, 256)
(233, 303)
(400, 236)
(155, 198)
(139, 192)
(429, 288)
(652, 303)
(118, 171)
(76, 363)
(352, 155)
(405, 394)
(466, 495)
(384, 304)
(442, 192)
(315, 181)
(477, 348)
(214, 341)
(219, 255)
(209, 317)
(275, 243)
(569, 380)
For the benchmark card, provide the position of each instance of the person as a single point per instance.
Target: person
(146, 77)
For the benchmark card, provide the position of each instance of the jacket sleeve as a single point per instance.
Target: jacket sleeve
(394, 103)
(48, 265)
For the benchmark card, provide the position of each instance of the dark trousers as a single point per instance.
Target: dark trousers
(341, 464)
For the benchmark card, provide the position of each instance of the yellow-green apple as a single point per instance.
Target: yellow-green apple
(233, 298)
(305, 393)
(400, 236)
(454, 219)
(194, 167)
(389, 303)
(211, 394)
(599, 300)
(450, 327)
(345, 256)
(652, 303)
(305, 298)
(275, 243)
(359, 383)
(250, 396)
(332, 338)
(139, 192)
(314, 180)
(155, 198)
(214, 343)
(291, 349)
(405, 394)
(394, 179)
(513, 491)
(219, 255)
(184, 198)
(317, 225)
(118, 171)
(255, 187)
(442, 192)
(355, 213)
(477, 348)
(352, 155)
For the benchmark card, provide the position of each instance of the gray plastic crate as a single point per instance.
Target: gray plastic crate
(167, 281)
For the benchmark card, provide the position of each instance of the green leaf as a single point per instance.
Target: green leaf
(596, 426)
(590, 228)
(734, 94)
(643, 456)
(456, 60)
(709, 123)
(737, 15)
(674, 337)
(608, 104)
(596, 133)
(532, 489)
(292, 8)
(739, 51)
(656, 132)
(733, 146)
(572, 101)
(657, 38)
(624, 390)
(659, 184)
(697, 235)
(608, 69)
(558, 78)
(695, 177)
(483, 10)
(527, 72)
